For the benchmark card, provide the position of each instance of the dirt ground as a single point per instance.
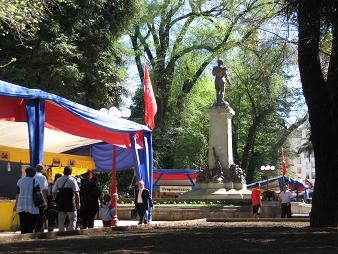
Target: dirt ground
(196, 236)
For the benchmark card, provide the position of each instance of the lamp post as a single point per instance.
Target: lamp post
(267, 169)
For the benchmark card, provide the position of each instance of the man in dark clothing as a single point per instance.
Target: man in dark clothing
(142, 202)
(90, 195)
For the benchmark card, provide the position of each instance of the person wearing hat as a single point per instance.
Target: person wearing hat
(24, 204)
(43, 184)
(67, 198)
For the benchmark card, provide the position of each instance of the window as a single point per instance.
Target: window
(299, 170)
(313, 175)
(299, 160)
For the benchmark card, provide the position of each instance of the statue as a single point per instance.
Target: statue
(220, 74)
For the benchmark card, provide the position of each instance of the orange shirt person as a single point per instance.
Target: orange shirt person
(256, 201)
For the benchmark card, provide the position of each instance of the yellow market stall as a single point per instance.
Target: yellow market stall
(54, 161)
(13, 161)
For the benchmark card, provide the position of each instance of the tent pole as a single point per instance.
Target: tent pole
(113, 188)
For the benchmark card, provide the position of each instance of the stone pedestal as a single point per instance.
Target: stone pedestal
(220, 136)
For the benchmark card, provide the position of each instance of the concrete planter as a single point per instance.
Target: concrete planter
(270, 209)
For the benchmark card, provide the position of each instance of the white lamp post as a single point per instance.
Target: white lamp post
(113, 111)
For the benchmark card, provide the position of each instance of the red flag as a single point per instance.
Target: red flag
(284, 162)
(308, 183)
(150, 105)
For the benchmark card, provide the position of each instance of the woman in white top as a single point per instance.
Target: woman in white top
(24, 205)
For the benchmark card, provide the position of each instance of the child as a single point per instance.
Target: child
(107, 212)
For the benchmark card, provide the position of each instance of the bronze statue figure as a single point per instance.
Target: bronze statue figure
(220, 74)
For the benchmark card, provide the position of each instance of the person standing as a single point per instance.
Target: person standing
(43, 184)
(90, 195)
(52, 212)
(107, 211)
(24, 204)
(285, 199)
(67, 198)
(143, 202)
(256, 201)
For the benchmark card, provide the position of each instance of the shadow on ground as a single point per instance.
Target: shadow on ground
(191, 238)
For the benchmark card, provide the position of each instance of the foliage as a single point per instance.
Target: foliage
(125, 182)
(262, 99)
(171, 33)
(22, 16)
(76, 53)
(191, 148)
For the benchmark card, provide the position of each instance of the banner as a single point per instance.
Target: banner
(150, 105)
(177, 189)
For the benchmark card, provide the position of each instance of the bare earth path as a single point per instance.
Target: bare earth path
(196, 236)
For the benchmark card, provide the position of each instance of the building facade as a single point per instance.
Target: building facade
(301, 164)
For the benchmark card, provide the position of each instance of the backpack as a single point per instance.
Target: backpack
(65, 201)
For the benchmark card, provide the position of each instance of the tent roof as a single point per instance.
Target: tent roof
(68, 124)
(277, 182)
(14, 134)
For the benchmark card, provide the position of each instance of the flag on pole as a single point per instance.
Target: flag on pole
(284, 162)
(308, 183)
(150, 105)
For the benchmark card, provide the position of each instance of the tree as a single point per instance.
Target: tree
(76, 53)
(22, 17)
(262, 99)
(317, 21)
(174, 30)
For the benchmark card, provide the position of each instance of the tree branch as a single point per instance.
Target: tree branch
(151, 28)
(145, 45)
(137, 56)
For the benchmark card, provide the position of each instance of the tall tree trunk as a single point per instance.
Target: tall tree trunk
(248, 148)
(321, 112)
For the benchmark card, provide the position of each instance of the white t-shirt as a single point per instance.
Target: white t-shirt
(42, 180)
(70, 183)
(285, 197)
(107, 213)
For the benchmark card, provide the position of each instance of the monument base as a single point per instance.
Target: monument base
(218, 191)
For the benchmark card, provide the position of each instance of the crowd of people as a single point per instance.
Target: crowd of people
(68, 202)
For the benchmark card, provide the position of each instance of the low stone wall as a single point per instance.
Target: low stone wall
(172, 213)
(270, 209)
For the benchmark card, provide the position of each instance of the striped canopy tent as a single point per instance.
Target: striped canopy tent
(181, 177)
(276, 184)
(41, 121)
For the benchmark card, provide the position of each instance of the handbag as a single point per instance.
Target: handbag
(38, 199)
